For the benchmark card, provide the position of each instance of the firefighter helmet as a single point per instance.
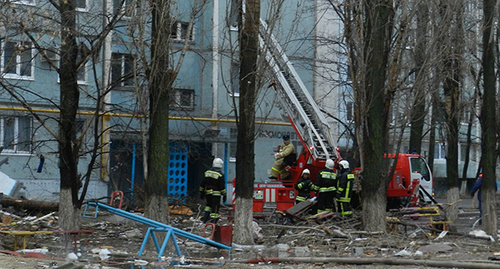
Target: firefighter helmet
(306, 171)
(218, 163)
(344, 164)
(329, 164)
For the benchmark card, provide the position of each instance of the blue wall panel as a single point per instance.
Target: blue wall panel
(177, 172)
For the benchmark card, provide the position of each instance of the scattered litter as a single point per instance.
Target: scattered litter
(140, 262)
(435, 248)
(402, 253)
(441, 235)
(35, 250)
(482, 234)
(358, 251)
(104, 254)
(71, 257)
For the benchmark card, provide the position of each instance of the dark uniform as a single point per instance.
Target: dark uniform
(212, 188)
(304, 187)
(344, 191)
(325, 187)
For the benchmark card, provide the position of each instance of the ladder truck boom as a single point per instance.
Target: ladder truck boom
(307, 119)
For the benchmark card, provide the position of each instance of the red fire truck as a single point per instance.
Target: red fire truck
(316, 136)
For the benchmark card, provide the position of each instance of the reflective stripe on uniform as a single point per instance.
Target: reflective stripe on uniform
(214, 215)
(344, 200)
(327, 189)
(213, 174)
(328, 175)
(301, 198)
(209, 192)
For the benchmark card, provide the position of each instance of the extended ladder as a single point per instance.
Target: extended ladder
(305, 115)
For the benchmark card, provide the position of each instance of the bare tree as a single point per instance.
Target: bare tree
(245, 164)
(488, 120)
(158, 60)
(371, 21)
(160, 77)
(76, 45)
(450, 33)
(419, 111)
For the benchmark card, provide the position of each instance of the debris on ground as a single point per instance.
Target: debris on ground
(282, 240)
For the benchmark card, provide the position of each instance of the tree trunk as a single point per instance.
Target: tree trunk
(375, 179)
(488, 122)
(245, 163)
(69, 206)
(452, 196)
(418, 112)
(160, 83)
(463, 188)
(244, 233)
(69, 218)
(432, 132)
(451, 87)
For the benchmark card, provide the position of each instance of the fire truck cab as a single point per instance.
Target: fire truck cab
(410, 176)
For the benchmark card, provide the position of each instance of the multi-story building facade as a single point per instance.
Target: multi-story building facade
(203, 102)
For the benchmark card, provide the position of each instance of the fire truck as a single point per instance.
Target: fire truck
(315, 133)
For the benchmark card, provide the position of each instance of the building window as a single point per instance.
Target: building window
(23, 2)
(81, 5)
(81, 129)
(124, 7)
(232, 152)
(233, 16)
(182, 99)
(17, 60)
(15, 134)
(180, 31)
(81, 76)
(349, 111)
(235, 78)
(439, 151)
(122, 70)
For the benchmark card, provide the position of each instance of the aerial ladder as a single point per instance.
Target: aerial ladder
(315, 131)
(304, 114)
(306, 118)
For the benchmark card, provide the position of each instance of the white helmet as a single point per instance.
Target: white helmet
(329, 164)
(306, 171)
(218, 163)
(344, 164)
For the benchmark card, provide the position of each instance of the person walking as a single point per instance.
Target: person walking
(325, 188)
(344, 189)
(304, 186)
(477, 188)
(212, 187)
(286, 150)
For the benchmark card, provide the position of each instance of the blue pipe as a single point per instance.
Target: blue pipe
(132, 177)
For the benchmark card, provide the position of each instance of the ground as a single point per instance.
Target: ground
(336, 242)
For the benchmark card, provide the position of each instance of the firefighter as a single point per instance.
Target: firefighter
(212, 188)
(304, 186)
(344, 188)
(285, 153)
(325, 188)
